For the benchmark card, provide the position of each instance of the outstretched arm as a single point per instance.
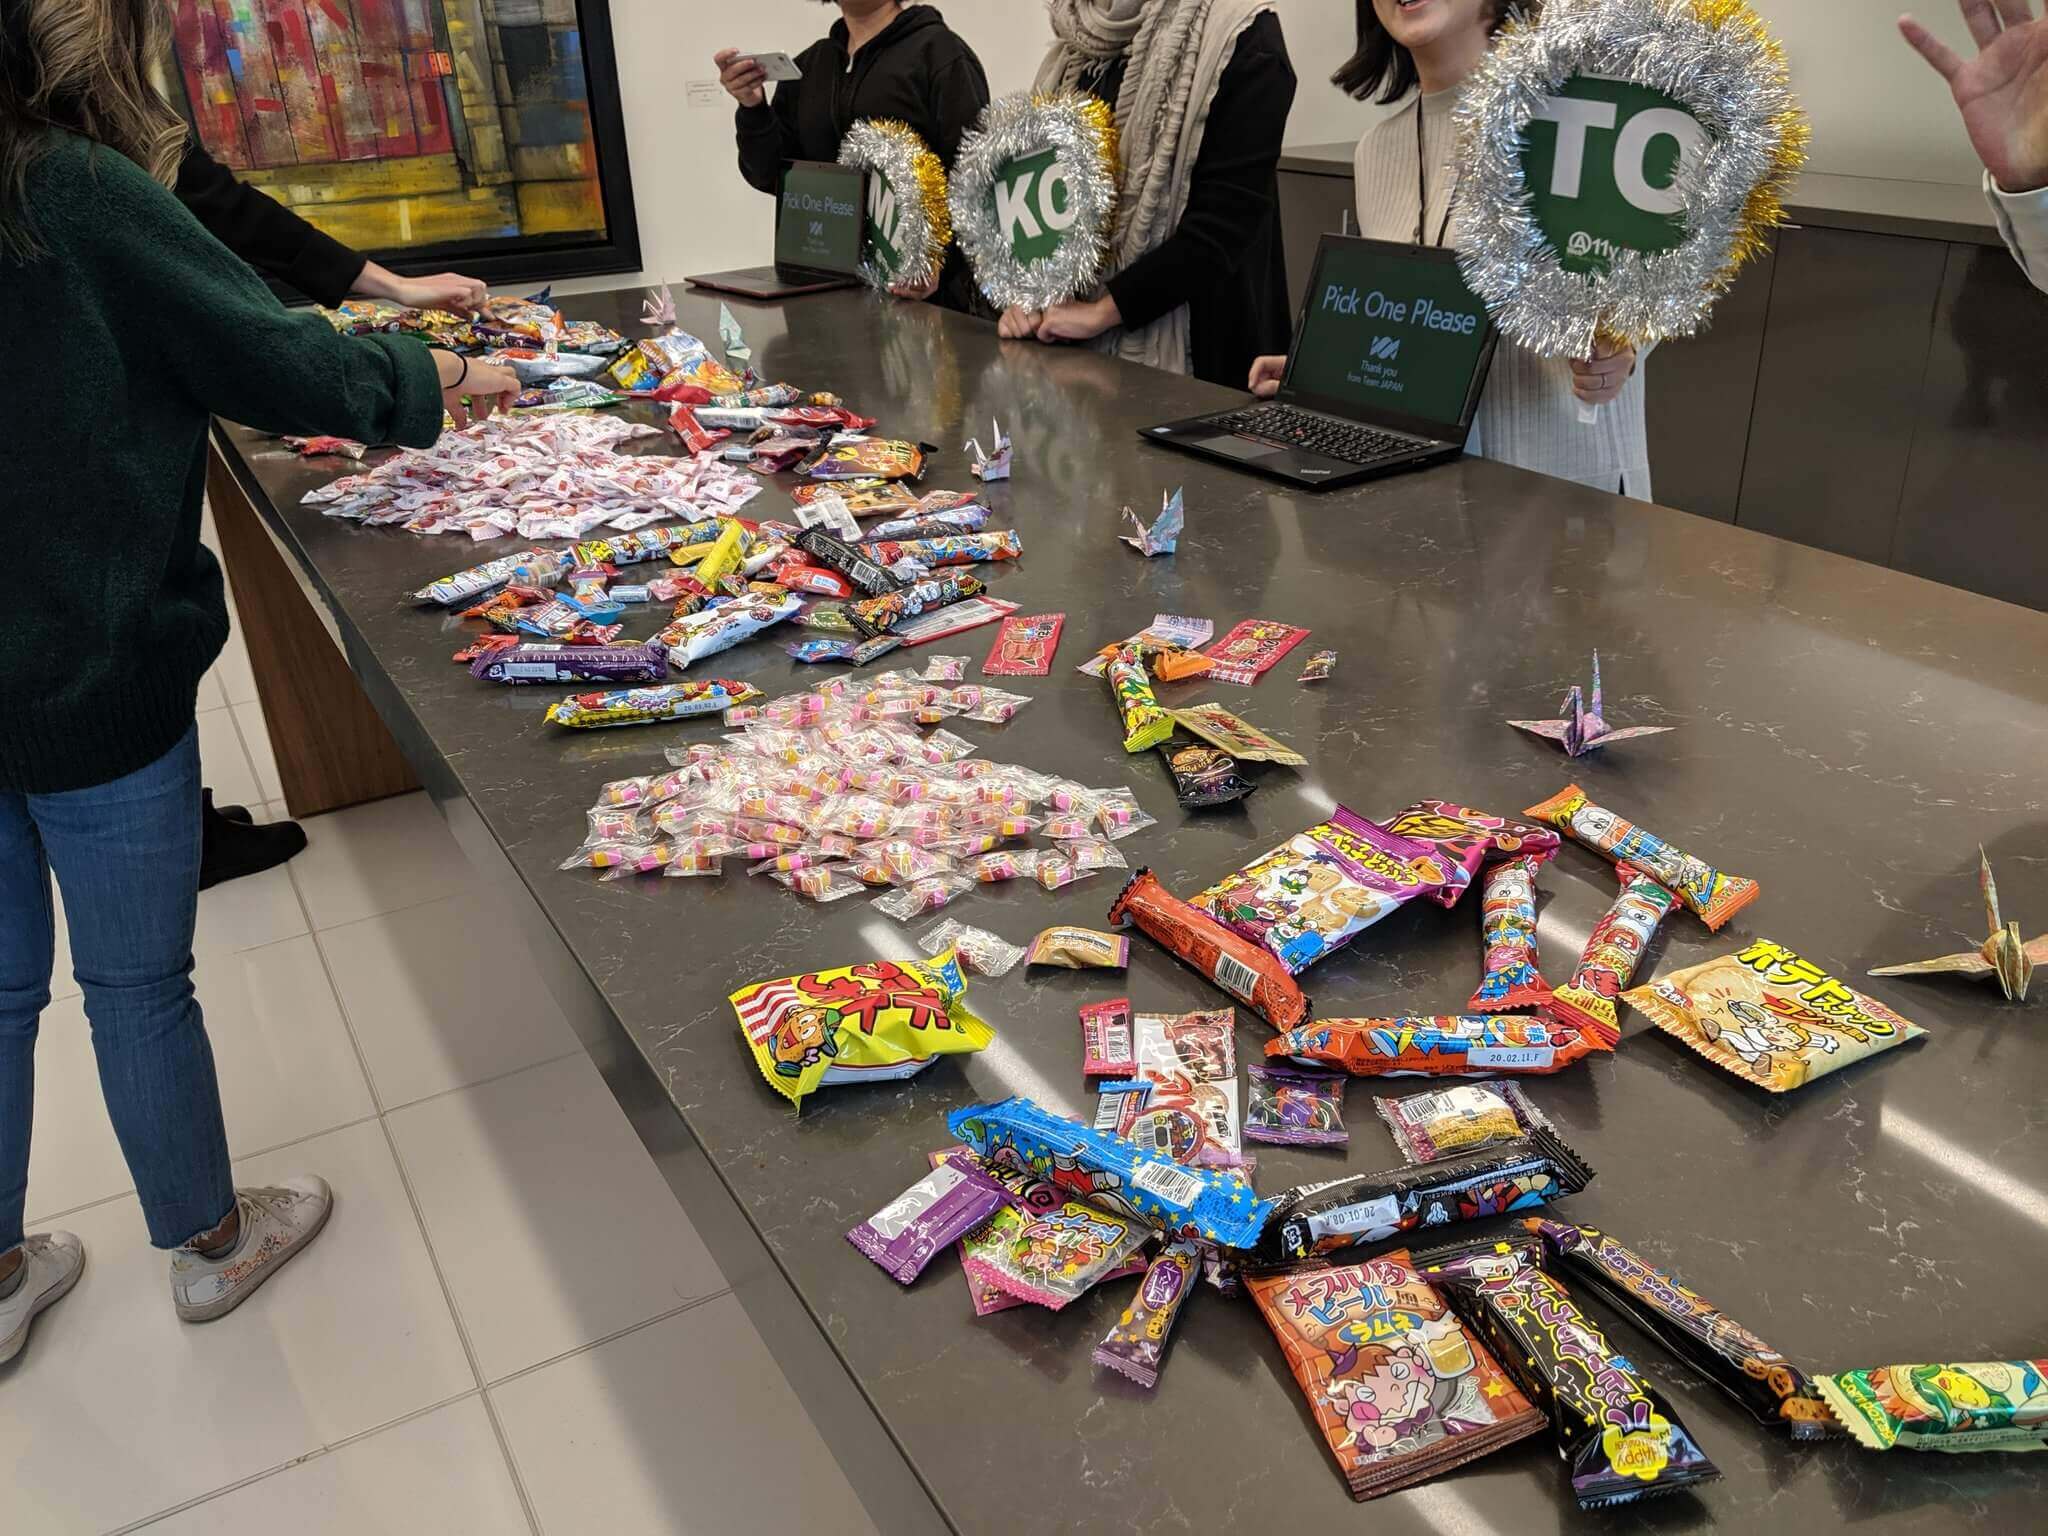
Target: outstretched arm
(2002, 94)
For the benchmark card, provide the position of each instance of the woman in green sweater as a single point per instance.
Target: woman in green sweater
(140, 325)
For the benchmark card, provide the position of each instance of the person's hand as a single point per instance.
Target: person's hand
(2002, 92)
(1599, 378)
(1267, 373)
(923, 290)
(472, 390)
(743, 78)
(444, 290)
(1018, 323)
(1082, 321)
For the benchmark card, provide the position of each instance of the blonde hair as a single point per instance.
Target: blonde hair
(87, 67)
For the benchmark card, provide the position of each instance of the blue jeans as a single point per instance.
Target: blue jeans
(127, 856)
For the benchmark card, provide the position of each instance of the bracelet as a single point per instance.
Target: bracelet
(462, 375)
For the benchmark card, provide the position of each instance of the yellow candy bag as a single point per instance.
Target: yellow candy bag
(872, 1022)
(1769, 1016)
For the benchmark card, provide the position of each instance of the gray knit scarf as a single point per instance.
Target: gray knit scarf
(1178, 50)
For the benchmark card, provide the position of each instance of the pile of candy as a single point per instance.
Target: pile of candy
(836, 791)
(545, 477)
(526, 324)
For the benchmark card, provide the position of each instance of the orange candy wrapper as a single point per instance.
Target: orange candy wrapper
(1712, 896)
(1447, 1045)
(1245, 970)
(1400, 1388)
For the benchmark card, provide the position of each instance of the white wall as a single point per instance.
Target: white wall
(1878, 111)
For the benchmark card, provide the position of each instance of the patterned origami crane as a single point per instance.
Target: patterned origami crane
(1583, 728)
(659, 310)
(1164, 534)
(990, 466)
(2003, 954)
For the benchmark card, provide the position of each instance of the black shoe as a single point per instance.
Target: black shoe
(231, 848)
(232, 812)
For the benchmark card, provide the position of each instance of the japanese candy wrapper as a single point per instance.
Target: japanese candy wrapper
(1053, 1257)
(869, 1022)
(1399, 1386)
(1245, 970)
(1988, 1405)
(1315, 1220)
(1441, 1045)
(1028, 1191)
(1771, 1387)
(1320, 889)
(1712, 896)
(1467, 840)
(1619, 1438)
(1770, 1017)
(1136, 1345)
(1116, 1174)
(1613, 951)
(940, 1208)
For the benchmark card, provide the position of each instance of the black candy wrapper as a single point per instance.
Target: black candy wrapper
(867, 575)
(1772, 1388)
(1202, 775)
(1319, 1219)
(1619, 1438)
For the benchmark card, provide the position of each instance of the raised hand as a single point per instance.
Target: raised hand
(2002, 93)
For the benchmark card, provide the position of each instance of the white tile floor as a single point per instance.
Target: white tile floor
(507, 1327)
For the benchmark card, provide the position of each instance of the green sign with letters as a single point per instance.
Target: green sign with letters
(883, 221)
(1599, 159)
(1034, 204)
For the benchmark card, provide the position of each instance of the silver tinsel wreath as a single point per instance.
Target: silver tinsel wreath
(894, 152)
(1730, 77)
(1077, 128)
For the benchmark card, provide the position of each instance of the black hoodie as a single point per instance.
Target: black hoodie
(915, 70)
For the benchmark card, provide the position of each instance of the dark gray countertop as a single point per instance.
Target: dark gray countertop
(1881, 205)
(1847, 736)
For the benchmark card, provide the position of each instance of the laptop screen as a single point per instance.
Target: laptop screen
(819, 221)
(1389, 330)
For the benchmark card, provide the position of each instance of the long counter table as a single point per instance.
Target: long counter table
(1846, 735)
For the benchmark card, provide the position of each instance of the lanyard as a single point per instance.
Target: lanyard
(1422, 187)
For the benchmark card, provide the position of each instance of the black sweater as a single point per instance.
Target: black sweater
(142, 324)
(263, 232)
(1225, 260)
(915, 70)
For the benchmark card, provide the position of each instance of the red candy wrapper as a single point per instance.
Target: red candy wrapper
(1240, 967)
(696, 437)
(1613, 951)
(1508, 927)
(1251, 649)
(1455, 1045)
(1106, 1038)
(1024, 646)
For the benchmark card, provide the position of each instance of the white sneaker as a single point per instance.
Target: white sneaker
(277, 1222)
(54, 1261)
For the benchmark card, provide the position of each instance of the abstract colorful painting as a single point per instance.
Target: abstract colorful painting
(397, 125)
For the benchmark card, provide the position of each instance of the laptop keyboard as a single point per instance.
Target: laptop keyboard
(1330, 436)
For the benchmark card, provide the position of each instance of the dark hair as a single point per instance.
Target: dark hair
(1384, 65)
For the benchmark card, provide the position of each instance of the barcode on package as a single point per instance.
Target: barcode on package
(1235, 977)
(1174, 1185)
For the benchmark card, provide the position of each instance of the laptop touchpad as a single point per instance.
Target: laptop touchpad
(1235, 447)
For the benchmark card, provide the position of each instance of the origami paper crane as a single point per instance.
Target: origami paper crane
(733, 339)
(1584, 728)
(1165, 531)
(2002, 954)
(659, 309)
(990, 466)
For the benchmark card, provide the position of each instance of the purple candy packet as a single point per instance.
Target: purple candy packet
(1296, 1107)
(645, 663)
(940, 1208)
(1137, 1344)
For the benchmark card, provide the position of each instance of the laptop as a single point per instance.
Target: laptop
(1389, 360)
(820, 222)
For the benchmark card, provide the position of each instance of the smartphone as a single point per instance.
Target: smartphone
(776, 66)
